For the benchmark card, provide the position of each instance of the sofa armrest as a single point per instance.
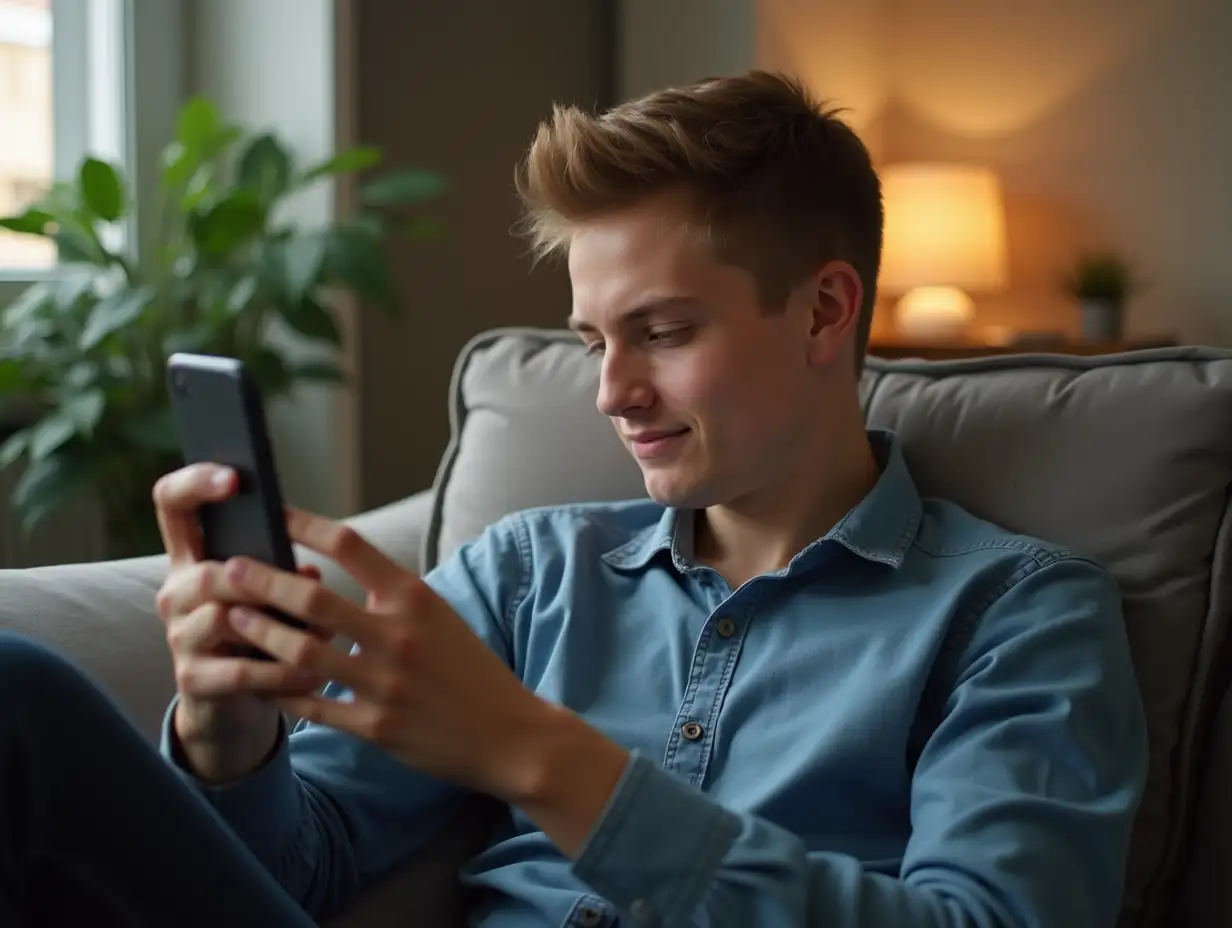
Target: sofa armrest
(101, 615)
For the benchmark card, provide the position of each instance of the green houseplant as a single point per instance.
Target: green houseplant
(82, 354)
(1101, 283)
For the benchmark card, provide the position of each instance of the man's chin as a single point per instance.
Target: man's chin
(675, 490)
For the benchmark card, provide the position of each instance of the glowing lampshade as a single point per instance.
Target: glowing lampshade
(944, 235)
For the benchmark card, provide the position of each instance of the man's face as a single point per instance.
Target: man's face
(711, 395)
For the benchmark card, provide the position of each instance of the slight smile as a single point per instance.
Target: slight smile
(656, 444)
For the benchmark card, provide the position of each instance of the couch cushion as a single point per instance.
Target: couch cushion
(1127, 458)
(524, 433)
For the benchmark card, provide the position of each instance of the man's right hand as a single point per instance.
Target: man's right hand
(224, 721)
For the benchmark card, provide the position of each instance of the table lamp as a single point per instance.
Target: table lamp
(944, 235)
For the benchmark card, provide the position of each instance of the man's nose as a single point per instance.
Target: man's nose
(623, 385)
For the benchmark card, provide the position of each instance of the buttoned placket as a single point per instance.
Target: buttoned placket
(691, 742)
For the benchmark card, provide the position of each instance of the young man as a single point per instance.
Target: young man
(786, 690)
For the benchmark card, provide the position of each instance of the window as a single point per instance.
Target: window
(61, 96)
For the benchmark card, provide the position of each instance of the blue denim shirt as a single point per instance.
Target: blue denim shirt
(922, 720)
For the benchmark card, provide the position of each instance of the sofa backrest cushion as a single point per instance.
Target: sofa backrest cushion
(1126, 458)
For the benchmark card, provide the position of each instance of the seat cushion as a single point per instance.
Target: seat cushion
(1126, 458)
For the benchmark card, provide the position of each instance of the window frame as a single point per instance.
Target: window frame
(140, 49)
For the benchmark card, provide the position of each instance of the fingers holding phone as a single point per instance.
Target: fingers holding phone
(225, 503)
(179, 496)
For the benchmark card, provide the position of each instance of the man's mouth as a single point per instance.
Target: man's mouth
(655, 443)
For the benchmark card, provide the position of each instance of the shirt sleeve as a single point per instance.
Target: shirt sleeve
(1022, 801)
(327, 811)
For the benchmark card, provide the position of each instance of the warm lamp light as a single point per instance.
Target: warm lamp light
(944, 235)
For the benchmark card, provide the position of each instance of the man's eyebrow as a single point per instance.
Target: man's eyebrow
(638, 313)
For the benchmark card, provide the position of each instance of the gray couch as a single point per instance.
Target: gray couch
(1127, 458)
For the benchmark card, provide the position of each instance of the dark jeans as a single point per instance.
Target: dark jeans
(96, 829)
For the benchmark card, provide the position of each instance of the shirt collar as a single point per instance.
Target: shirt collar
(880, 528)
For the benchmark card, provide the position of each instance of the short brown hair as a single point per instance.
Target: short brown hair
(777, 183)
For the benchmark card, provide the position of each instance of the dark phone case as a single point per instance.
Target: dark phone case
(220, 419)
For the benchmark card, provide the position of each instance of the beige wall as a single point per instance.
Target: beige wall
(838, 49)
(665, 42)
(1110, 122)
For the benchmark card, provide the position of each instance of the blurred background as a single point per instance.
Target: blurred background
(1057, 172)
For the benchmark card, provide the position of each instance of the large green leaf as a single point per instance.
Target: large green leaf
(355, 159)
(49, 484)
(265, 168)
(85, 410)
(243, 293)
(201, 135)
(49, 433)
(404, 188)
(102, 191)
(32, 222)
(355, 258)
(72, 288)
(199, 123)
(13, 448)
(303, 257)
(233, 221)
(310, 318)
(33, 301)
(199, 187)
(12, 376)
(179, 163)
(113, 313)
(74, 246)
(83, 374)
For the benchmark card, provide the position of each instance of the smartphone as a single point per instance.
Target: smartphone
(220, 419)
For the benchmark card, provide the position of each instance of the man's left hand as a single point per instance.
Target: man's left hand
(425, 687)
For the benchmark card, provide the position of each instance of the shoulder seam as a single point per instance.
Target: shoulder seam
(1040, 552)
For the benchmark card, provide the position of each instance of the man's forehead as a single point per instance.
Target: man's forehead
(587, 319)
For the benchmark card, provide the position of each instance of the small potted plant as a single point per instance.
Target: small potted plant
(82, 354)
(1101, 283)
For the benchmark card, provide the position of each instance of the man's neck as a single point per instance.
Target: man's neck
(763, 532)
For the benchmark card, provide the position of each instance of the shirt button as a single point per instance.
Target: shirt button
(691, 730)
(726, 628)
(589, 918)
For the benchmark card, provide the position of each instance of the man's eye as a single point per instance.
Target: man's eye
(667, 336)
(594, 348)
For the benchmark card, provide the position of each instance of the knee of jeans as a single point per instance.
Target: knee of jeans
(28, 667)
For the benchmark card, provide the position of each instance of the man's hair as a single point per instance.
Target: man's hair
(775, 183)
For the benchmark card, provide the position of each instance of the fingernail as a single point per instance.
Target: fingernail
(241, 618)
(222, 478)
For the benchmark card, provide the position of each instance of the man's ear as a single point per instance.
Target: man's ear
(837, 298)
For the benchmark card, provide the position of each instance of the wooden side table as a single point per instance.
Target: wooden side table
(892, 348)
